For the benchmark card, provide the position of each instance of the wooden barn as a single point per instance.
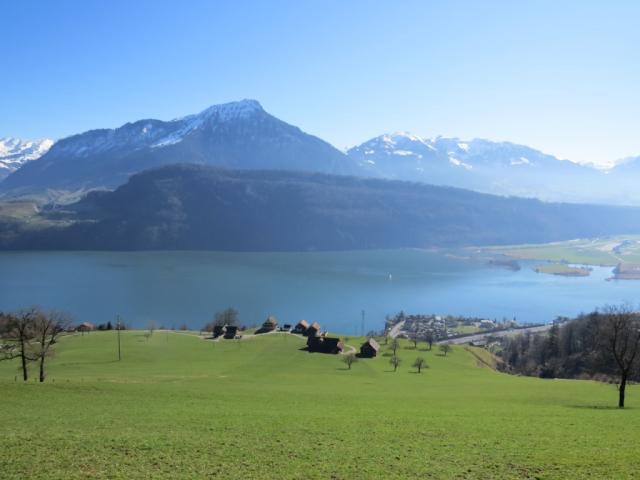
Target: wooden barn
(85, 327)
(369, 349)
(300, 327)
(230, 332)
(324, 344)
(269, 325)
(217, 330)
(313, 330)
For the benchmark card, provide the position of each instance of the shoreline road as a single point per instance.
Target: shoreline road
(502, 333)
(396, 329)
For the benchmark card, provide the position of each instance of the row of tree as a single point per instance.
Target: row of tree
(29, 335)
(604, 344)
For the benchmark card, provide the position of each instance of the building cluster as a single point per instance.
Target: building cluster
(423, 326)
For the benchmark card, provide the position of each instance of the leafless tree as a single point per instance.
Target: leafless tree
(430, 339)
(229, 316)
(445, 348)
(395, 344)
(349, 359)
(395, 362)
(47, 329)
(415, 338)
(420, 363)
(18, 332)
(620, 337)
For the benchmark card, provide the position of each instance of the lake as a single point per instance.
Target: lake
(332, 288)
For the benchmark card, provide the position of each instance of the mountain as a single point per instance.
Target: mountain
(233, 135)
(501, 168)
(198, 207)
(15, 152)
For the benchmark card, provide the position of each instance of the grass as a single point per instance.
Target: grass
(606, 251)
(179, 407)
(562, 269)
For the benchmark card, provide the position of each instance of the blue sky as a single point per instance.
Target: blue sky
(561, 76)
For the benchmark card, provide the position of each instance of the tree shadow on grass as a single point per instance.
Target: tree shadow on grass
(599, 407)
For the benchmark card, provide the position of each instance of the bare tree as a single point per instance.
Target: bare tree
(445, 348)
(395, 362)
(429, 339)
(415, 338)
(349, 359)
(620, 337)
(47, 329)
(228, 316)
(395, 344)
(420, 363)
(18, 332)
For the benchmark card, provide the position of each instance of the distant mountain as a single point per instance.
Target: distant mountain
(493, 167)
(197, 207)
(234, 135)
(15, 152)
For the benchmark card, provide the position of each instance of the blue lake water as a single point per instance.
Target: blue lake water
(332, 288)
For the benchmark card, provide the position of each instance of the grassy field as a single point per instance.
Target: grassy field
(180, 407)
(608, 251)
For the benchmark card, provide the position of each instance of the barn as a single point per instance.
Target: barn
(300, 327)
(369, 349)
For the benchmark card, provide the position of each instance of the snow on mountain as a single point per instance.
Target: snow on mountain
(15, 152)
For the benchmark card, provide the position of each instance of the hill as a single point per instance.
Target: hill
(177, 407)
(203, 208)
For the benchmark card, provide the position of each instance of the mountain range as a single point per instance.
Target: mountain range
(242, 135)
(192, 207)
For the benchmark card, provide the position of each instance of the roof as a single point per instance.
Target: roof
(315, 325)
(303, 323)
(375, 345)
(270, 321)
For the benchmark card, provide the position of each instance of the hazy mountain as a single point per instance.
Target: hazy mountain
(234, 135)
(15, 152)
(493, 167)
(197, 207)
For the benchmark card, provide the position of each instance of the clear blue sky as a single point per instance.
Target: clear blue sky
(562, 76)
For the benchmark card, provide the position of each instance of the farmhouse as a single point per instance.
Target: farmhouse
(230, 332)
(313, 330)
(285, 328)
(85, 327)
(269, 325)
(324, 344)
(369, 349)
(301, 327)
(217, 330)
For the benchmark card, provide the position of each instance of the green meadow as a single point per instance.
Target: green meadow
(181, 407)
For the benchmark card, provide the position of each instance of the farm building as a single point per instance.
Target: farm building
(230, 332)
(369, 349)
(217, 330)
(85, 327)
(286, 327)
(313, 330)
(324, 344)
(301, 327)
(269, 325)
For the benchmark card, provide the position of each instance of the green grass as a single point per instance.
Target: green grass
(591, 251)
(179, 407)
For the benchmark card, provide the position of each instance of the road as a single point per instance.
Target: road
(482, 336)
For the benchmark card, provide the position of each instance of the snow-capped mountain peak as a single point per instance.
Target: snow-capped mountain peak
(14, 152)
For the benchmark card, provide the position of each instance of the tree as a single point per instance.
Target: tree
(18, 332)
(395, 362)
(349, 359)
(228, 316)
(395, 344)
(420, 363)
(620, 337)
(445, 348)
(47, 328)
(415, 338)
(429, 339)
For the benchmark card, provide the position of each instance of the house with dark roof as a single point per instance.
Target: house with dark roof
(324, 344)
(230, 332)
(369, 349)
(217, 330)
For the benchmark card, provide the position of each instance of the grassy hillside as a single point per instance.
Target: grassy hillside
(180, 407)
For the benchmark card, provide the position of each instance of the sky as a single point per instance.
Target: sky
(560, 76)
